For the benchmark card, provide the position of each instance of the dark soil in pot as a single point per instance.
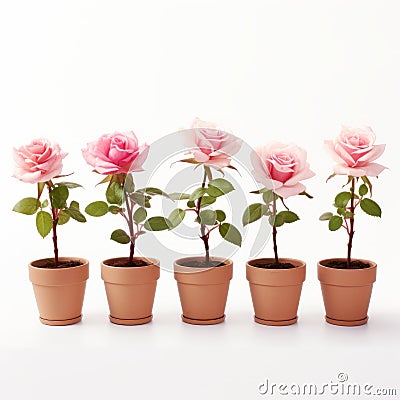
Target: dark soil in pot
(272, 265)
(202, 264)
(124, 263)
(50, 264)
(340, 264)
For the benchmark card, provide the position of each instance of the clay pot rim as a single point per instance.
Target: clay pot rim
(302, 264)
(372, 264)
(84, 261)
(154, 262)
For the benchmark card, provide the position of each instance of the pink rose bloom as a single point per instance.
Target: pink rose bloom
(116, 153)
(210, 145)
(280, 167)
(354, 151)
(39, 161)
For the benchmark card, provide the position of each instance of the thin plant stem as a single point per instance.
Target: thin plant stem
(351, 228)
(204, 236)
(274, 230)
(54, 214)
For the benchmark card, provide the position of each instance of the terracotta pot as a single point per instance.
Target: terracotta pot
(275, 292)
(203, 291)
(130, 290)
(60, 291)
(346, 292)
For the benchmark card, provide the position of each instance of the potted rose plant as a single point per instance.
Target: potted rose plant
(346, 283)
(59, 283)
(276, 283)
(203, 282)
(130, 282)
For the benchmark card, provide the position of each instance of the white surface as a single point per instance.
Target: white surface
(286, 70)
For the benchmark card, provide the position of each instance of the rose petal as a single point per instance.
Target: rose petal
(288, 191)
(199, 156)
(342, 169)
(143, 150)
(306, 173)
(373, 169)
(330, 148)
(372, 155)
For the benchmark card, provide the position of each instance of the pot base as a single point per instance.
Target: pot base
(131, 322)
(63, 322)
(346, 323)
(203, 321)
(275, 323)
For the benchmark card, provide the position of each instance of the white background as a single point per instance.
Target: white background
(287, 70)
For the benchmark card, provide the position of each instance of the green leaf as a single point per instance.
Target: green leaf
(348, 214)
(268, 196)
(221, 216)
(363, 190)
(139, 198)
(63, 218)
(230, 233)
(197, 193)
(191, 204)
(74, 204)
(59, 196)
(114, 209)
(277, 221)
(341, 210)
(208, 217)
(253, 213)
(157, 224)
(69, 185)
(27, 206)
(45, 203)
(44, 223)
(342, 199)
(219, 186)
(206, 201)
(175, 217)
(370, 207)
(120, 236)
(179, 196)
(288, 216)
(153, 191)
(129, 185)
(335, 223)
(326, 216)
(97, 209)
(75, 214)
(115, 193)
(140, 215)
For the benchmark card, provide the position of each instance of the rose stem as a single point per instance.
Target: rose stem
(204, 236)
(274, 230)
(351, 232)
(55, 223)
(129, 208)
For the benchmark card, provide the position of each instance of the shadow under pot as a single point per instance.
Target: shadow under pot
(346, 292)
(59, 291)
(130, 290)
(203, 291)
(275, 292)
